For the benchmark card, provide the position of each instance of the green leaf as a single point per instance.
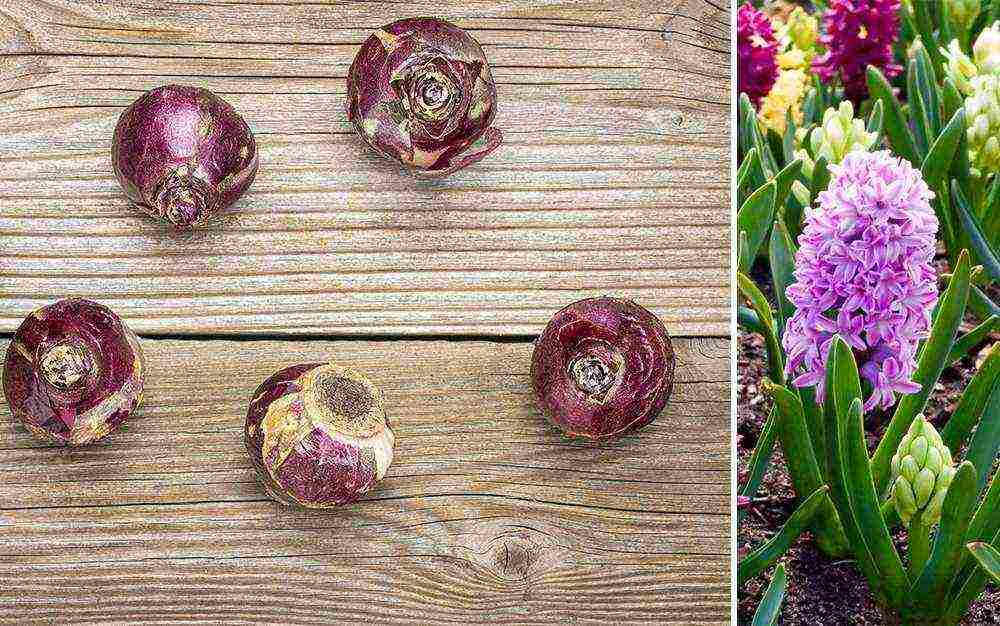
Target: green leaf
(861, 489)
(761, 456)
(755, 218)
(821, 177)
(803, 466)
(921, 124)
(930, 362)
(942, 152)
(896, 129)
(970, 406)
(841, 481)
(986, 441)
(781, 251)
(968, 341)
(987, 557)
(760, 306)
(875, 118)
(925, 28)
(784, 180)
(928, 89)
(769, 610)
(984, 253)
(766, 555)
(747, 319)
(952, 100)
(931, 588)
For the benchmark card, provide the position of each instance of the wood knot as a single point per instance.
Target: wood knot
(513, 554)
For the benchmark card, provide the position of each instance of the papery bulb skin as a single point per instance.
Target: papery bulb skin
(757, 50)
(183, 155)
(858, 33)
(602, 367)
(864, 270)
(420, 91)
(318, 435)
(73, 373)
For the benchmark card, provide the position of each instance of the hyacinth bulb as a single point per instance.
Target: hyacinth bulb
(183, 154)
(420, 91)
(756, 50)
(73, 372)
(922, 472)
(858, 33)
(602, 367)
(864, 271)
(318, 435)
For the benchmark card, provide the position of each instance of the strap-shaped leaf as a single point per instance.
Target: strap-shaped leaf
(821, 177)
(968, 341)
(987, 557)
(922, 132)
(784, 180)
(930, 362)
(951, 99)
(841, 487)
(755, 218)
(942, 151)
(970, 406)
(931, 588)
(927, 87)
(766, 554)
(781, 251)
(974, 230)
(986, 441)
(925, 28)
(875, 118)
(747, 319)
(804, 468)
(964, 592)
(769, 609)
(984, 527)
(760, 458)
(760, 306)
(895, 124)
(861, 489)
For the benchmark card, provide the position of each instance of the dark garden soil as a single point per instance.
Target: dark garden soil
(822, 591)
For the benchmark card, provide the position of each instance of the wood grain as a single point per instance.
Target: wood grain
(487, 514)
(614, 177)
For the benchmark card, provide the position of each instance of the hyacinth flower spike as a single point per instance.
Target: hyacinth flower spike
(757, 50)
(863, 270)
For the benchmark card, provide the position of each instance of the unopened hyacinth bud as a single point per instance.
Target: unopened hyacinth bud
(922, 471)
(964, 12)
(982, 115)
(864, 271)
(959, 67)
(840, 134)
(986, 50)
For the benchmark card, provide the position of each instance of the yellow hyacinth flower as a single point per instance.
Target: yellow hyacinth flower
(785, 97)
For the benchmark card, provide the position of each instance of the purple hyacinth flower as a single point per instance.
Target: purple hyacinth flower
(863, 271)
(757, 51)
(858, 33)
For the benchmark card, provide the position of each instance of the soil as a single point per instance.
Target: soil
(822, 591)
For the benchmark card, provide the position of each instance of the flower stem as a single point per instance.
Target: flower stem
(919, 545)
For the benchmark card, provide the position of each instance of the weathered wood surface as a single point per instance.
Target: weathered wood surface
(614, 177)
(487, 515)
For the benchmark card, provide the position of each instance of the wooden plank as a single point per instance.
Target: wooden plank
(614, 177)
(487, 514)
